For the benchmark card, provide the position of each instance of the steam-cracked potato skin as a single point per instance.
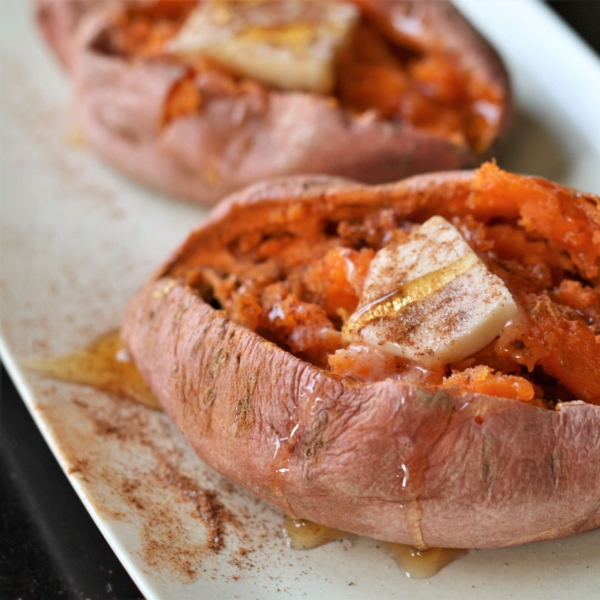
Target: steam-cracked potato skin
(387, 460)
(237, 139)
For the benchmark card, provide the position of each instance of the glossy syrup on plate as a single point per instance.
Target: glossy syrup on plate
(301, 534)
(422, 564)
(104, 364)
(306, 535)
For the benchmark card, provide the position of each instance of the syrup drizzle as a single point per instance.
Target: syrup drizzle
(306, 535)
(422, 564)
(104, 364)
(410, 292)
(301, 534)
(414, 514)
(281, 465)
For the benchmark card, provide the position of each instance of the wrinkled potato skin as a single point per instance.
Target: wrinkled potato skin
(387, 460)
(236, 140)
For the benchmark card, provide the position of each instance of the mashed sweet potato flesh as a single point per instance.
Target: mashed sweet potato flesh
(296, 288)
(398, 79)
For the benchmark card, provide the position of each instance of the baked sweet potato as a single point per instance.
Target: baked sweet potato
(416, 89)
(240, 336)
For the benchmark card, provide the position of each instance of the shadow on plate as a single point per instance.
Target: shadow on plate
(535, 150)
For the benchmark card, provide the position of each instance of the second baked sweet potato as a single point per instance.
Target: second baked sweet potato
(416, 88)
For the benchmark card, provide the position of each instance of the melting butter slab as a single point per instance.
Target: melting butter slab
(430, 299)
(290, 44)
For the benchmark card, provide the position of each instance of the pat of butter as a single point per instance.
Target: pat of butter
(430, 299)
(290, 44)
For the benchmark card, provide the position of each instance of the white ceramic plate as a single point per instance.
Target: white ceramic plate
(77, 240)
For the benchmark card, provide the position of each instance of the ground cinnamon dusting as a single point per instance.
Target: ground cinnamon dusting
(208, 507)
(160, 490)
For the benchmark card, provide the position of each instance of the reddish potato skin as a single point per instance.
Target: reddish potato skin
(59, 21)
(387, 460)
(238, 139)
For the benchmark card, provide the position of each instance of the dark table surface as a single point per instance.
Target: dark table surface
(49, 545)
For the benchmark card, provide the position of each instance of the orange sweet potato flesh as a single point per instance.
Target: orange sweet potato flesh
(401, 106)
(483, 380)
(486, 453)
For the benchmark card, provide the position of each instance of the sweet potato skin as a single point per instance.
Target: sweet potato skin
(237, 139)
(60, 20)
(387, 460)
